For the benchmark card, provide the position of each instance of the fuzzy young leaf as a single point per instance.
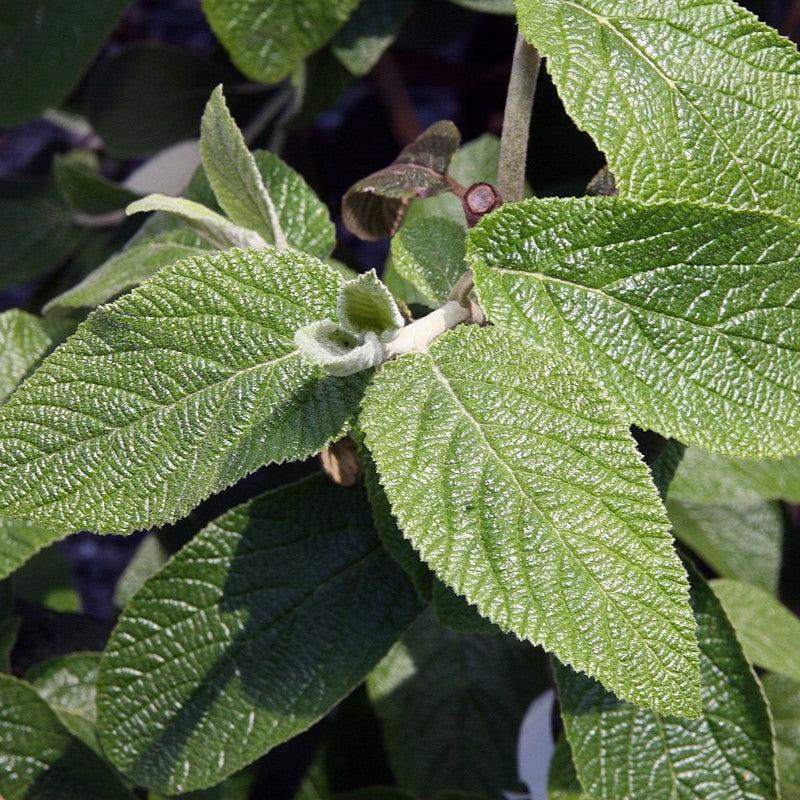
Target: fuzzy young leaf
(67, 684)
(624, 751)
(338, 352)
(275, 612)
(520, 485)
(451, 705)
(490, 6)
(783, 695)
(738, 540)
(366, 306)
(39, 758)
(768, 631)
(686, 314)
(233, 174)
(699, 99)
(374, 207)
(268, 39)
(177, 390)
(429, 254)
(705, 477)
(369, 32)
(213, 227)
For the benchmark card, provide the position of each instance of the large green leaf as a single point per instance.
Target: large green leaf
(174, 392)
(147, 97)
(38, 230)
(429, 254)
(369, 32)
(24, 340)
(40, 759)
(451, 706)
(783, 695)
(250, 634)
(687, 314)
(741, 540)
(563, 781)
(688, 100)
(622, 751)
(45, 47)
(68, 684)
(519, 484)
(706, 477)
(268, 39)
(768, 631)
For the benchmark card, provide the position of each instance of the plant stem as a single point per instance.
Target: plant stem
(418, 335)
(517, 120)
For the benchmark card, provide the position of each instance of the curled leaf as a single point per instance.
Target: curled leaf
(374, 207)
(338, 352)
(366, 305)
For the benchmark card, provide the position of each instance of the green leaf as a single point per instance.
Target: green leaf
(303, 217)
(490, 6)
(45, 48)
(737, 540)
(46, 578)
(429, 253)
(148, 559)
(366, 306)
(691, 101)
(233, 174)
(213, 227)
(768, 631)
(783, 695)
(38, 231)
(475, 162)
(174, 392)
(40, 759)
(24, 340)
(268, 39)
(563, 781)
(369, 32)
(84, 189)
(117, 275)
(374, 207)
(624, 751)
(519, 484)
(275, 612)
(147, 97)
(711, 478)
(451, 706)
(392, 538)
(684, 313)
(68, 685)
(454, 612)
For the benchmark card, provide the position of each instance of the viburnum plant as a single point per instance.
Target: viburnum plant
(486, 391)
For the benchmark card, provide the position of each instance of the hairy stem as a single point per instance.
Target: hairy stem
(418, 335)
(517, 121)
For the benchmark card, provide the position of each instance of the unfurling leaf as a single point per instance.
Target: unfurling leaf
(518, 482)
(213, 227)
(686, 314)
(366, 306)
(338, 352)
(272, 614)
(624, 751)
(161, 411)
(374, 207)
